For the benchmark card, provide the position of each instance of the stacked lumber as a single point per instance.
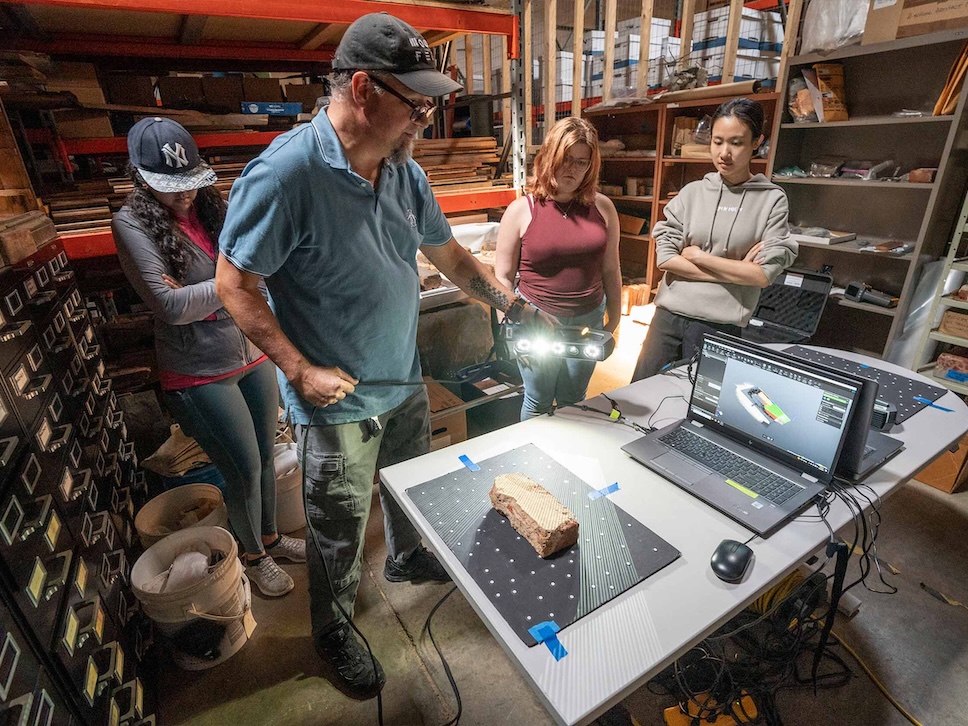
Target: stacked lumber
(460, 164)
(22, 72)
(82, 211)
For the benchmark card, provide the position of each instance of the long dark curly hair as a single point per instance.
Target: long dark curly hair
(160, 224)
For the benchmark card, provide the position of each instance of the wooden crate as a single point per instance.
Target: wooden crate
(445, 429)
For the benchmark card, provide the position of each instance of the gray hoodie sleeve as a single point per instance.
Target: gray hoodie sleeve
(143, 265)
(779, 249)
(669, 233)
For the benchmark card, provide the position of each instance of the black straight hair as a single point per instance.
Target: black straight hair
(750, 113)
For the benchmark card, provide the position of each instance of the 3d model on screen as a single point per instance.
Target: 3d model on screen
(758, 405)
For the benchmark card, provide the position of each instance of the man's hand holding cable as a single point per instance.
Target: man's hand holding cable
(323, 386)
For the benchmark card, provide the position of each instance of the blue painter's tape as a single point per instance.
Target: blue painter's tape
(932, 404)
(546, 633)
(604, 492)
(466, 461)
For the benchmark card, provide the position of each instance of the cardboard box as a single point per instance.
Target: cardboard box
(920, 17)
(632, 225)
(83, 124)
(954, 323)
(882, 19)
(949, 472)
(181, 91)
(445, 429)
(261, 89)
(127, 90)
(305, 93)
(224, 92)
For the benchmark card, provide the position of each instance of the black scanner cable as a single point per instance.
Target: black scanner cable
(329, 579)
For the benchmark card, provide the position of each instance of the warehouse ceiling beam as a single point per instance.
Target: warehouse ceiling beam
(321, 34)
(193, 26)
(114, 45)
(343, 12)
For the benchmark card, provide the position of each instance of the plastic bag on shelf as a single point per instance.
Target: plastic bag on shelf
(830, 24)
(799, 101)
(704, 130)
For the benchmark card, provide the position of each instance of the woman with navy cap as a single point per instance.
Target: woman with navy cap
(219, 387)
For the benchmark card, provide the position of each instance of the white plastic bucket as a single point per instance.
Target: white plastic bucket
(222, 597)
(290, 513)
(168, 512)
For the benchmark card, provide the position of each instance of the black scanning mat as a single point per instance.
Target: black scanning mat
(905, 393)
(614, 551)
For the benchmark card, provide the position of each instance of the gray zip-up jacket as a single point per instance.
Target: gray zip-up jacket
(725, 221)
(185, 342)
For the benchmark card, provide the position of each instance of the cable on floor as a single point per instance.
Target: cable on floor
(443, 661)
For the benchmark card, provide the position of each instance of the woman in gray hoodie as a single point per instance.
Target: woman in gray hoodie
(723, 239)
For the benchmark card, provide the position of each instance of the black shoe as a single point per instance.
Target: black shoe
(348, 664)
(421, 567)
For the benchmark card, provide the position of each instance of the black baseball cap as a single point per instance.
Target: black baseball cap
(167, 156)
(381, 42)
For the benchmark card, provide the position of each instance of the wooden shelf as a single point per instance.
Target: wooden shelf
(953, 302)
(100, 243)
(945, 338)
(636, 237)
(947, 36)
(870, 121)
(853, 247)
(629, 158)
(889, 312)
(837, 182)
(644, 200)
(709, 162)
(119, 144)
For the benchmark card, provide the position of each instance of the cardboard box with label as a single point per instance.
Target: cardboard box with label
(949, 472)
(920, 17)
(445, 429)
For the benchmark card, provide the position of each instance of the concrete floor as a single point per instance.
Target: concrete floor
(916, 645)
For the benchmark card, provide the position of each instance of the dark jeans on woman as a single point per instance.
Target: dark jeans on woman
(234, 421)
(674, 337)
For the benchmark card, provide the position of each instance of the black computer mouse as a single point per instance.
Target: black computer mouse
(731, 560)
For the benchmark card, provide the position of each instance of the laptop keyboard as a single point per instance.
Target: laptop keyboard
(739, 470)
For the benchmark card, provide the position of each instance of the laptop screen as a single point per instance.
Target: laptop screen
(773, 402)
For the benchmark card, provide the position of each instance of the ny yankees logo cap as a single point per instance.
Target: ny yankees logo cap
(167, 157)
(381, 42)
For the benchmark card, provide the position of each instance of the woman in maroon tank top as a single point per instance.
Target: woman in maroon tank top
(561, 243)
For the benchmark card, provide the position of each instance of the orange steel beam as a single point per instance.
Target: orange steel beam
(113, 45)
(311, 11)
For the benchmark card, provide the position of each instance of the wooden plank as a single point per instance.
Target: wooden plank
(578, 36)
(321, 34)
(732, 40)
(526, 38)
(486, 54)
(550, 65)
(609, 65)
(645, 31)
(469, 64)
(685, 32)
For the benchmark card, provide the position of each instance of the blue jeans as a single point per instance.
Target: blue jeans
(234, 421)
(549, 380)
(341, 461)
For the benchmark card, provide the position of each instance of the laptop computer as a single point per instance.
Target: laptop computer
(763, 433)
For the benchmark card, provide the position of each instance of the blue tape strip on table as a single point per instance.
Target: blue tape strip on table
(466, 461)
(614, 552)
(546, 633)
(604, 492)
(932, 404)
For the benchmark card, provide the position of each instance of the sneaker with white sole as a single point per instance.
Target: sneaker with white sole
(271, 579)
(288, 548)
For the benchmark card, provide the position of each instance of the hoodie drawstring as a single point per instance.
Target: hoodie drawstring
(709, 237)
(735, 216)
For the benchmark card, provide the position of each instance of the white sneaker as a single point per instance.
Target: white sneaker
(288, 548)
(271, 579)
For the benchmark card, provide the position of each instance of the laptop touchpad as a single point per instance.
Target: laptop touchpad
(680, 468)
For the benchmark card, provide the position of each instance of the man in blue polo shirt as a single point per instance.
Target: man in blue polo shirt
(332, 215)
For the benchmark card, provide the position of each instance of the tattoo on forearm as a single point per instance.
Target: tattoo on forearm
(485, 291)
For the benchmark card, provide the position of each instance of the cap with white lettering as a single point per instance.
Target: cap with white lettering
(167, 156)
(382, 42)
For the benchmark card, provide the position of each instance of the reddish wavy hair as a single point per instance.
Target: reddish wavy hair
(550, 158)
